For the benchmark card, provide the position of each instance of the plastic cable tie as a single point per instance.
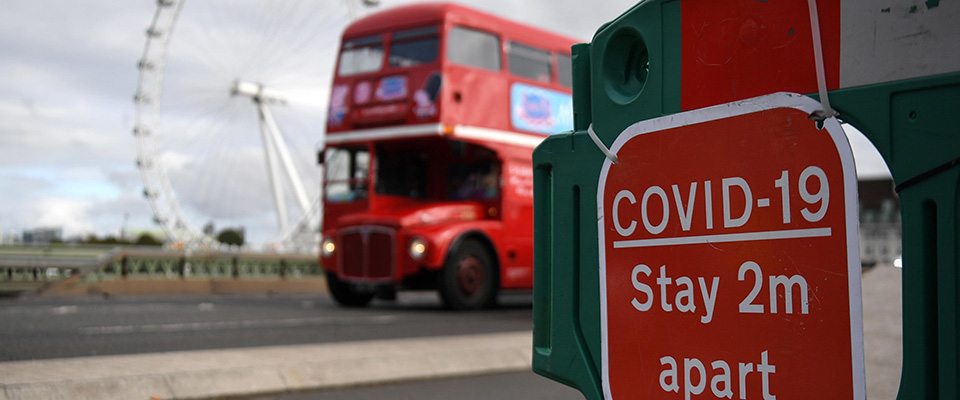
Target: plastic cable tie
(596, 140)
(827, 112)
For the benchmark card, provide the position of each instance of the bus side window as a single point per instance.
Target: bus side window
(474, 174)
(473, 48)
(565, 70)
(474, 181)
(529, 62)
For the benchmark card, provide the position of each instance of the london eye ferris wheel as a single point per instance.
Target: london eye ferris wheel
(230, 105)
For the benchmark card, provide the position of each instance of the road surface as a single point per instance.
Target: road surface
(44, 328)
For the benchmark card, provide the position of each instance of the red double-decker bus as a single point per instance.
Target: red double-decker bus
(434, 113)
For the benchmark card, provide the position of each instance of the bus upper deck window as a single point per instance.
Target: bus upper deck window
(473, 48)
(529, 62)
(564, 70)
(361, 56)
(413, 47)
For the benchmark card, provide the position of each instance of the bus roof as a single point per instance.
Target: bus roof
(424, 13)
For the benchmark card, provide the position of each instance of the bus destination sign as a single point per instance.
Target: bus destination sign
(729, 258)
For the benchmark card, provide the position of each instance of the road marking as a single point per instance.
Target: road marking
(242, 324)
(64, 310)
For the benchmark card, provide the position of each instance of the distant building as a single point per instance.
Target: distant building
(42, 235)
(9, 238)
(880, 229)
(878, 200)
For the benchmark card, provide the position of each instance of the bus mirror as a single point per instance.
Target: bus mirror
(320, 157)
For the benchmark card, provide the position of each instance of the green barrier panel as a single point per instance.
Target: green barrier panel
(632, 71)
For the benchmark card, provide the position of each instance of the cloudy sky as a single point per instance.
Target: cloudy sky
(67, 81)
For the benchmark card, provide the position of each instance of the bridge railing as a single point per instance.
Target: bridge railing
(34, 268)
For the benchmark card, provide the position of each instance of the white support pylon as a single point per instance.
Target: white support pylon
(293, 177)
(275, 150)
(273, 173)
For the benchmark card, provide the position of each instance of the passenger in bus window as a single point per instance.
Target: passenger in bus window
(491, 183)
(470, 188)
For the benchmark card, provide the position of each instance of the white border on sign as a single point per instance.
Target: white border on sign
(748, 106)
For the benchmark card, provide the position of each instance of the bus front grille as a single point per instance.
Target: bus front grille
(367, 253)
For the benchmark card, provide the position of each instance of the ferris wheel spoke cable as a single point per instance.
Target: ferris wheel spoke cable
(209, 188)
(206, 138)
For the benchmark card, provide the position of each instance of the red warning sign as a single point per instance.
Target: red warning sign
(729, 259)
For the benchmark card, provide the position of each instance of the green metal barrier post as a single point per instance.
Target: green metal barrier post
(658, 59)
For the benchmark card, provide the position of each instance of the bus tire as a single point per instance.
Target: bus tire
(468, 281)
(345, 294)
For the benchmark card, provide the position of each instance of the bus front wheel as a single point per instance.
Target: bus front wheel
(346, 294)
(469, 280)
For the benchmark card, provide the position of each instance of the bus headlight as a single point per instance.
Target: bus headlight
(327, 247)
(417, 248)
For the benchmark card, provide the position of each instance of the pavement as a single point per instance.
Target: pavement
(235, 372)
(882, 330)
(250, 371)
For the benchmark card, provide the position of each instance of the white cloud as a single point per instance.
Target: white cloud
(69, 213)
(46, 135)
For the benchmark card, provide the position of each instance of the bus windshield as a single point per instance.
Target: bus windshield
(438, 170)
(402, 172)
(346, 174)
